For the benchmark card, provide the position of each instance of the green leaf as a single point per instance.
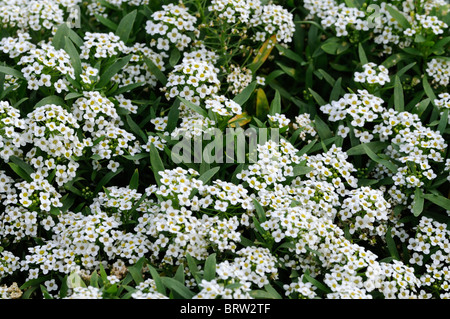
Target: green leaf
(275, 105)
(242, 97)
(316, 283)
(73, 95)
(392, 167)
(400, 18)
(136, 271)
(112, 70)
(194, 107)
(24, 166)
(193, 268)
(106, 22)
(443, 121)
(360, 148)
(302, 170)
(135, 128)
(274, 294)
(418, 202)
(52, 99)
(362, 54)
(156, 71)
(110, 175)
(210, 268)
(177, 287)
(438, 200)
(69, 47)
(158, 282)
(134, 182)
(290, 54)
(11, 71)
(399, 102)
(428, 90)
(19, 171)
(392, 247)
(322, 128)
(317, 97)
(173, 116)
(128, 88)
(259, 211)
(262, 104)
(261, 294)
(175, 56)
(335, 46)
(156, 162)
(126, 25)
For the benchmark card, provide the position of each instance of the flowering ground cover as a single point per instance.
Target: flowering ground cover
(232, 149)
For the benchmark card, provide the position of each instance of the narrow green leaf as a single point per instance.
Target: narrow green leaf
(110, 175)
(438, 200)
(443, 121)
(175, 56)
(399, 101)
(322, 128)
(136, 271)
(392, 247)
(272, 292)
(210, 268)
(317, 283)
(193, 268)
(155, 71)
(242, 97)
(317, 97)
(418, 202)
(275, 105)
(19, 171)
(392, 167)
(360, 148)
(69, 47)
(400, 18)
(362, 54)
(112, 70)
(126, 25)
(173, 116)
(11, 71)
(261, 294)
(158, 282)
(259, 211)
(134, 182)
(177, 287)
(52, 99)
(156, 162)
(24, 166)
(106, 22)
(194, 107)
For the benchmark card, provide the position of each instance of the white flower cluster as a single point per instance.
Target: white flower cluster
(373, 74)
(193, 80)
(412, 144)
(8, 263)
(171, 26)
(304, 123)
(366, 212)
(11, 127)
(279, 120)
(238, 78)
(358, 109)
(439, 71)
(431, 247)
(34, 15)
(274, 164)
(41, 63)
(223, 106)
